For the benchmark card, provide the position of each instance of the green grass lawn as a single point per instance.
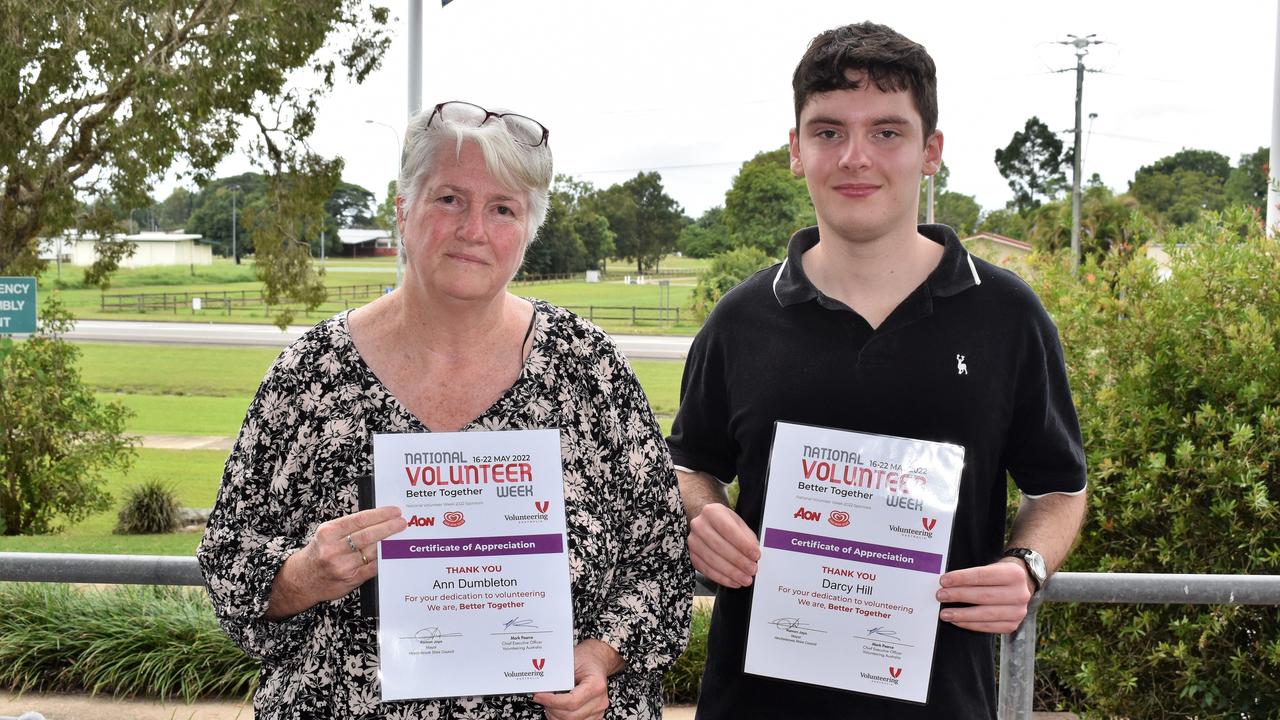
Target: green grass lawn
(182, 414)
(194, 475)
(174, 369)
(234, 373)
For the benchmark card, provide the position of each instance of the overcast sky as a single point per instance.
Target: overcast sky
(693, 88)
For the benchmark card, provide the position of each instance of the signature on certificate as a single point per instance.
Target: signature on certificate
(794, 625)
(519, 622)
(430, 635)
(885, 635)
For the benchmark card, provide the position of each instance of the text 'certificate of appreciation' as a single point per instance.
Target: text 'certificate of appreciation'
(854, 538)
(473, 597)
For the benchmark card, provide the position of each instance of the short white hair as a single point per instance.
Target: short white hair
(514, 164)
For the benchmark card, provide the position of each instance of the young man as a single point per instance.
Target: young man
(873, 324)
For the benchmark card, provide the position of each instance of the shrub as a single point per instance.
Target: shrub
(727, 270)
(57, 439)
(135, 640)
(1178, 386)
(149, 508)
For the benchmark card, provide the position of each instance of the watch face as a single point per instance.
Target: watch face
(1036, 563)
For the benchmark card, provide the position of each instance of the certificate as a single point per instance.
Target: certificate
(854, 538)
(473, 597)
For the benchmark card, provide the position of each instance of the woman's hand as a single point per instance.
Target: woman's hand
(593, 663)
(339, 557)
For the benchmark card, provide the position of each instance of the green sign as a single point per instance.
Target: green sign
(17, 305)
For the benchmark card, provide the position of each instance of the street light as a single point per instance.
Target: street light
(395, 225)
(235, 251)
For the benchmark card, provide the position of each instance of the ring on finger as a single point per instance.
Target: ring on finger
(363, 560)
(352, 544)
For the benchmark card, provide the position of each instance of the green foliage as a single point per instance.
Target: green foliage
(1247, 183)
(1032, 163)
(1106, 222)
(767, 203)
(284, 228)
(645, 220)
(684, 678)
(1178, 386)
(102, 98)
(1005, 221)
(135, 640)
(574, 237)
(149, 508)
(727, 270)
(707, 236)
(58, 439)
(166, 643)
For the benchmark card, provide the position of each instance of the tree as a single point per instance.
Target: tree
(1177, 188)
(1247, 183)
(102, 98)
(58, 440)
(706, 236)
(283, 229)
(557, 248)
(1032, 163)
(645, 220)
(385, 215)
(211, 216)
(1107, 222)
(767, 203)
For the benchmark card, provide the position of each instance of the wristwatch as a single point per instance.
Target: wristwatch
(1034, 562)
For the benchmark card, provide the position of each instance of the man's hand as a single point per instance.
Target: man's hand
(593, 663)
(722, 547)
(998, 592)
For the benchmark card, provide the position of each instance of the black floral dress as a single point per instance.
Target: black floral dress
(308, 437)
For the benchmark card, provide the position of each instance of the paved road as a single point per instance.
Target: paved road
(650, 347)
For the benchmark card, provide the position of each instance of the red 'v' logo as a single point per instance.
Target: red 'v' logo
(894, 672)
(928, 522)
(542, 505)
(538, 663)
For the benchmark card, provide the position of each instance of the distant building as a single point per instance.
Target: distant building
(152, 248)
(997, 249)
(360, 242)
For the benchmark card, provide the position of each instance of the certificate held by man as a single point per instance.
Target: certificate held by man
(473, 597)
(854, 539)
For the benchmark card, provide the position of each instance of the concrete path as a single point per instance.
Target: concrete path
(186, 442)
(77, 707)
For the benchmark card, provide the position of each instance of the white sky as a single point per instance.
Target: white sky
(692, 88)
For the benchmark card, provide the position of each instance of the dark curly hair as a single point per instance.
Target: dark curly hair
(890, 60)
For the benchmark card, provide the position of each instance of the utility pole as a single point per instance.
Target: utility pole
(1273, 172)
(1081, 44)
(928, 214)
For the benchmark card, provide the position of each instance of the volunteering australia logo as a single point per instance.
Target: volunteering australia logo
(891, 678)
(927, 524)
(536, 672)
(542, 506)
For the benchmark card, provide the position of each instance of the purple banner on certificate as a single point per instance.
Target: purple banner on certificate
(850, 550)
(473, 546)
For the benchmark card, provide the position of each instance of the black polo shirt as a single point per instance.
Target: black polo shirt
(969, 357)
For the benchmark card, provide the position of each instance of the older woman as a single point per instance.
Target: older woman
(452, 349)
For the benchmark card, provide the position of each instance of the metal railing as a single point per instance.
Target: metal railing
(1017, 650)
